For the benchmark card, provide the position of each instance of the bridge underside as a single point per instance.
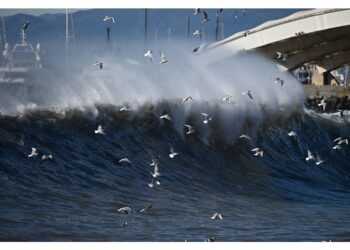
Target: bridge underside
(329, 49)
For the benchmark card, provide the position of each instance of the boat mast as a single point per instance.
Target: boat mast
(188, 27)
(67, 34)
(146, 23)
(3, 27)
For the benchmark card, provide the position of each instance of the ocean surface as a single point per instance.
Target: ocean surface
(76, 195)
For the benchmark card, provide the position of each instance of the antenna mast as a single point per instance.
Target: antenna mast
(3, 27)
(146, 24)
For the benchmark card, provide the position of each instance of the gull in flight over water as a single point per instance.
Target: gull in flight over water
(190, 129)
(292, 133)
(197, 33)
(216, 216)
(46, 157)
(148, 207)
(196, 49)
(109, 18)
(125, 210)
(212, 239)
(33, 153)
(245, 136)
(343, 141)
(155, 172)
(124, 108)
(153, 183)
(227, 98)
(281, 56)
(338, 139)
(341, 113)
(258, 152)
(154, 161)
(166, 116)
(207, 118)
(206, 18)
(249, 93)
(310, 156)
(124, 160)
(188, 98)
(100, 64)
(322, 104)
(99, 130)
(337, 147)
(163, 59)
(279, 81)
(172, 152)
(197, 11)
(319, 160)
(149, 54)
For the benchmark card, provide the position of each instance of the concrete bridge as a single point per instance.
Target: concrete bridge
(320, 37)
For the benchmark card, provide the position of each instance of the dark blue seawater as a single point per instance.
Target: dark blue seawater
(76, 195)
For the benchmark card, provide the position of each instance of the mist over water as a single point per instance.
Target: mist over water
(129, 78)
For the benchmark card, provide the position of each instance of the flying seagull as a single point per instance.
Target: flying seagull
(124, 108)
(309, 156)
(188, 98)
(249, 93)
(212, 239)
(292, 133)
(337, 147)
(338, 139)
(197, 11)
(279, 81)
(33, 153)
(245, 136)
(190, 129)
(109, 18)
(216, 216)
(125, 210)
(46, 157)
(258, 152)
(100, 64)
(227, 98)
(341, 113)
(25, 25)
(197, 33)
(196, 49)
(319, 160)
(153, 183)
(166, 116)
(172, 152)
(206, 18)
(124, 160)
(148, 207)
(99, 130)
(149, 54)
(154, 161)
(163, 59)
(343, 141)
(322, 104)
(281, 56)
(155, 172)
(207, 118)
